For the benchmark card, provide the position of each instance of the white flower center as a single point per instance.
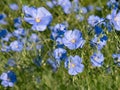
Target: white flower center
(96, 58)
(37, 20)
(118, 60)
(72, 65)
(16, 46)
(117, 19)
(73, 40)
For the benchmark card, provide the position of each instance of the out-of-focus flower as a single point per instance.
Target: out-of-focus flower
(98, 42)
(112, 3)
(116, 58)
(94, 20)
(74, 65)
(66, 5)
(8, 79)
(80, 17)
(3, 33)
(17, 22)
(7, 37)
(98, 8)
(75, 5)
(34, 38)
(114, 18)
(59, 54)
(11, 62)
(59, 42)
(39, 46)
(2, 17)
(53, 64)
(97, 59)
(73, 39)
(5, 48)
(58, 30)
(50, 4)
(40, 17)
(16, 46)
(14, 6)
(98, 30)
(19, 32)
(83, 10)
(90, 7)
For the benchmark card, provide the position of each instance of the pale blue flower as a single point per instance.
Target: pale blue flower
(97, 59)
(39, 18)
(14, 6)
(73, 39)
(74, 65)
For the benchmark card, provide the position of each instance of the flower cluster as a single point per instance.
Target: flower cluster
(8, 79)
(23, 39)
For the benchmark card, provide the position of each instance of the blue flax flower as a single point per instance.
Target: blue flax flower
(50, 4)
(94, 20)
(8, 79)
(13, 6)
(90, 8)
(66, 5)
(112, 3)
(99, 42)
(97, 59)
(98, 30)
(74, 65)
(114, 18)
(53, 64)
(39, 46)
(83, 10)
(5, 48)
(17, 22)
(59, 42)
(34, 38)
(19, 32)
(2, 17)
(98, 8)
(80, 17)
(116, 58)
(3, 33)
(59, 53)
(16, 46)
(11, 62)
(58, 30)
(40, 17)
(73, 39)
(75, 5)
(7, 37)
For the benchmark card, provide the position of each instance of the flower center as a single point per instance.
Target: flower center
(8, 79)
(81, 11)
(59, 54)
(116, 18)
(16, 46)
(37, 20)
(72, 65)
(96, 58)
(73, 40)
(118, 60)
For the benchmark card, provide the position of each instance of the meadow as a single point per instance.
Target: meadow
(59, 45)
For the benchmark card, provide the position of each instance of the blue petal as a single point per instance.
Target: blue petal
(39, 27)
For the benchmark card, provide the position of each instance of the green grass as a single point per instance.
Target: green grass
(90, 79)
